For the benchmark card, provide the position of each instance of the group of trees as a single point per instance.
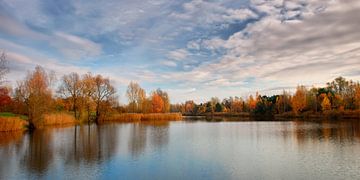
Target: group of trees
(92, 97)
(82, 95)
(86, 94)
(339, 94)
(88, 97)
(157, 102)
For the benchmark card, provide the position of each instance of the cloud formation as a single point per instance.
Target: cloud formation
(205, 48)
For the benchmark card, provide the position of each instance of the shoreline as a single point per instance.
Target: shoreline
(311, 116)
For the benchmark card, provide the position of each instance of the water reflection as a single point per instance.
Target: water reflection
(332, 131)
(34, 153)
(185, 149)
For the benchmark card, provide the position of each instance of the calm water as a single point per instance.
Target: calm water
(186, 150)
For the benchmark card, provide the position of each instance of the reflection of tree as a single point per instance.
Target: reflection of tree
(10, 137)
(336, 131)
(73, 146)
(137, 140)
(159, 134)
(156, 131)
(39, 153)
(10, 143)
(92, 143)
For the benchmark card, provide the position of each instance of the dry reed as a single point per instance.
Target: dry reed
(12, 124)
(55, 119)
(133, 117)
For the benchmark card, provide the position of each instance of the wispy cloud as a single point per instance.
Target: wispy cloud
(218, 48)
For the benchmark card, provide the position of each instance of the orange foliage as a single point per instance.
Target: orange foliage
(299, 99)
(5, 99)
(357, 96)
(252, 103)
(326, 105)
(157, 103)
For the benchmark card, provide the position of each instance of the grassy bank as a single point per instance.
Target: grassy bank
(14, 123)
(135, 117)
(55, 119)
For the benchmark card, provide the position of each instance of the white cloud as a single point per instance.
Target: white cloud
(169, 63)
(179, 54)
(313, 50)
(75, 46)
(205, 13)
(70, 46)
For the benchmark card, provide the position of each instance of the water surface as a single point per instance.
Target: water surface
(186, 150)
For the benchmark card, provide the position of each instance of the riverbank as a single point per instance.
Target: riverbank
(329, 115)
(136, 117)
(12, 124)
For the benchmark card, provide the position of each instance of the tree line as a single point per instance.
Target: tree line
(93, 97)
(338, 95)
(88, 97)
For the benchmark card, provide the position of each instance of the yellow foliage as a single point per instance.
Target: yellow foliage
(326, 105)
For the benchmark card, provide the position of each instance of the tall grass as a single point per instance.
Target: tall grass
(14, 123)
(125, 117)
(55, 119)
(133, 117)
(161, 116)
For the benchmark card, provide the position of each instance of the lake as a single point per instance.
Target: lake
(186, 150)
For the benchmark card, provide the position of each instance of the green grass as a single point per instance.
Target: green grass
(9, 114)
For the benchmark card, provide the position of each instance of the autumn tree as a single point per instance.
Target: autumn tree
(283, 102)
(136, 96)
(299, 99)
(87, 93)
(343, 92)
(103, 94)
(237, 105)
(35, 92)
(357, 95)
(165, 97)
(251, 103)
(5, 99)
(325, 104)
(157, 103)
(71, 87)
(189, 107)
(312, 99)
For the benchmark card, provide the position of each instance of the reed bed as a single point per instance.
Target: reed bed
(12, 124)
(56, 119)
(134, 117)
(161, 116)
(126, 117)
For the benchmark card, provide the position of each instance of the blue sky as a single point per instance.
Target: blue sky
(193, 49)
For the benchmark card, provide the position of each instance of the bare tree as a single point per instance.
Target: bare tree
(136, 96)
(72, 88)
(103, 93)
(87, 93)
